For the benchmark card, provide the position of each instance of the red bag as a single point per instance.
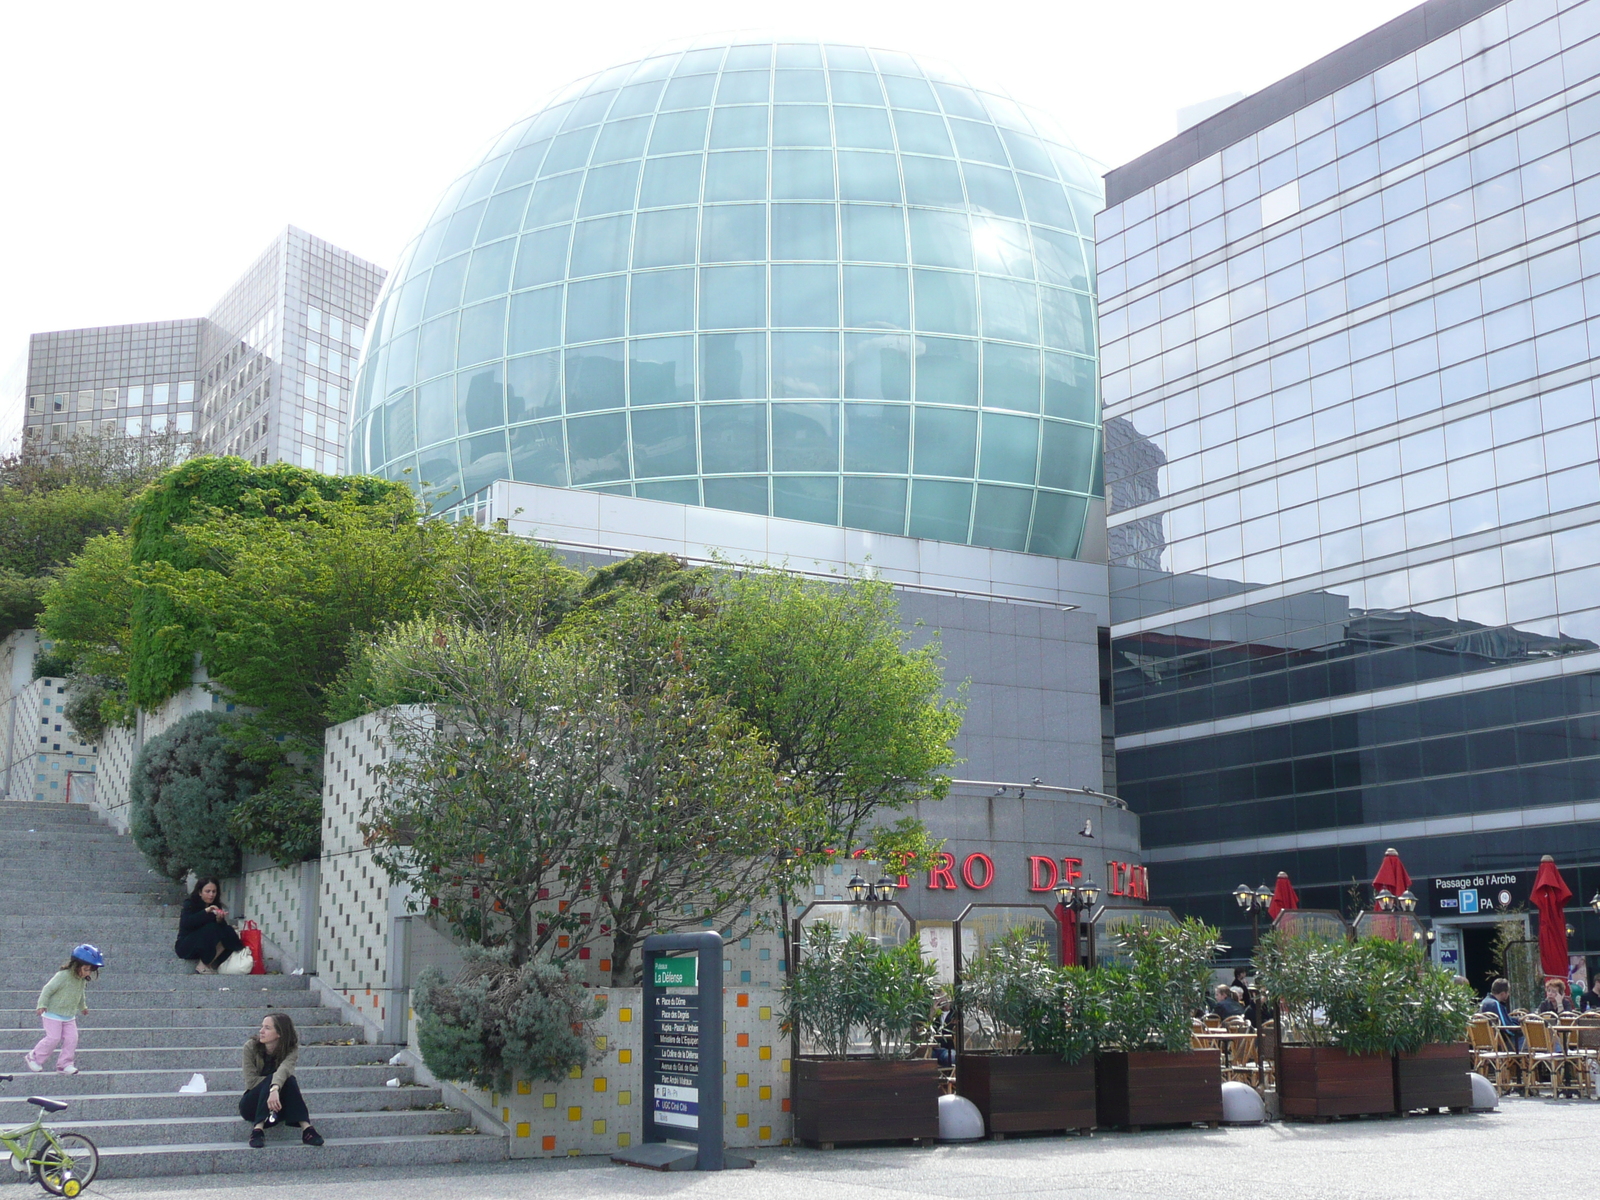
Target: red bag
(250, 935)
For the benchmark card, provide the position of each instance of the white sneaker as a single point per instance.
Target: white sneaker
(68, 1071)
(32, 1066)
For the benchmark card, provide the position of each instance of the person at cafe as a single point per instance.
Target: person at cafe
(1557, 999)
(1590, 1000)
(1241, 984)
(1225, 1005)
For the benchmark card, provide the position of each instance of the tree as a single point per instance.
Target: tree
(86, 611)
(185, 783)
(823, 670)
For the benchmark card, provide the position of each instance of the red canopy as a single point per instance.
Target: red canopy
(1550, 896)
(1283, 897)
(1392, 874)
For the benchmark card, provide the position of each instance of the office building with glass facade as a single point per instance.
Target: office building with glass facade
(266, 375)
(1348, 335)
(818, 282)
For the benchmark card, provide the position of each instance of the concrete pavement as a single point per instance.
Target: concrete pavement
(1549, 1146)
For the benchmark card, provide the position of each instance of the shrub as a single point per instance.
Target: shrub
(185, 784)
(497, 1022)
(847, 988)
(1015, 995)
(89, 698)
(1150, 1002)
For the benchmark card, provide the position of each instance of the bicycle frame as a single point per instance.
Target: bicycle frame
(37, 1138)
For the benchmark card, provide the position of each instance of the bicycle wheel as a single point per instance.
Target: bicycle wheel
(68, 1164)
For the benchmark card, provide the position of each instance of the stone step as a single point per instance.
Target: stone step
(154, 1019)
(89, 908)
(128, 1038)
(221, 1101)
(169, 1079)
(51, 810)
(106, 996)
(181, 1131)
(94, 876)
(217, 1056)
(236, 1158)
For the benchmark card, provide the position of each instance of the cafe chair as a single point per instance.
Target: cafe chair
(1490, 1058)
(1544, 1052)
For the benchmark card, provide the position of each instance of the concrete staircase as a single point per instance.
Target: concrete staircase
(66, 878)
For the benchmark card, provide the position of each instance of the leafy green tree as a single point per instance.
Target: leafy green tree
(845, 984)
(185, 783)
(87, 609)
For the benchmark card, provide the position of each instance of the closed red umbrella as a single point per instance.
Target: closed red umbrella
(1392, 875)
(1283, 897)
(1550, 896)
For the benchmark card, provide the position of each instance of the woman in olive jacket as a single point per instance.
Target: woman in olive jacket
(272, 1095)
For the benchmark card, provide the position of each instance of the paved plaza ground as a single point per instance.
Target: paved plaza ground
(1552, 1148)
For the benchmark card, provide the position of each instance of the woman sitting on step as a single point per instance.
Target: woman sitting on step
(204, 934)
(272, 1095)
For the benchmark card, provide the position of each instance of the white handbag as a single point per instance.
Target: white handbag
(240, 962)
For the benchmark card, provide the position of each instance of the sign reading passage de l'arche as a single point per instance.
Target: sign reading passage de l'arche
(683, 1056)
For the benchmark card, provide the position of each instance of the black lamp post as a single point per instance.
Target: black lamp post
(1254, 901)
(1406, 901)
(861, 892)
(884, 890)
(857, 887)
(1081, 898)
(1384, 901)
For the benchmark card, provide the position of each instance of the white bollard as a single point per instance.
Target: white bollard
(1241, 1104)
(959, 1120)
(1484, 1097)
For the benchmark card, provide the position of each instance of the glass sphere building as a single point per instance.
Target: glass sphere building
(814, 281)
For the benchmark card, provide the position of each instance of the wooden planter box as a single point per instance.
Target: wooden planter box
(1028, 1093)
(865, 1100)
(1434, 1077)
(1321, 1082)
(1158, 1087)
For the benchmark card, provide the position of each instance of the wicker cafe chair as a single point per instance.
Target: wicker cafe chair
(1490, 1058)
(1544, 1052)
(1213, 1021)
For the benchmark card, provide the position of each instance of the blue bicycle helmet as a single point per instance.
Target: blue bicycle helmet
(89, 954)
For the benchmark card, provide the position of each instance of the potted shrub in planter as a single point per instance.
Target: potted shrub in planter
(1432, 1061)
(864, 1010)
(1028, 1039)
(1341, 1012)
(1145, 1071)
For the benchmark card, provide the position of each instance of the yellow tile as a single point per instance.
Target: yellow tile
(575, 1112)
(742, 1120)
(505, 1115)
(786, 1066)
(573, 1153)
(599, 1125)
(764, 1054)
(575, 1073)
(764, 1132)
(625, 1056)
(624, 1015)
(765, 1013)
(766, 1092)
(549, 1099)
(741, 1080)
(523, 1129)
(624, 1139)
(600, 1083)
(600, 1042)
(524, 1088)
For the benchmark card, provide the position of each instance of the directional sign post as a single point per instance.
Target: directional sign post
(682, 1056)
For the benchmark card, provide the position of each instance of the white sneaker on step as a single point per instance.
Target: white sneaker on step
(32, 1066)
(68, 1071)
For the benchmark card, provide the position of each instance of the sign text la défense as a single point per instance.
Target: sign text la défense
(677, 970)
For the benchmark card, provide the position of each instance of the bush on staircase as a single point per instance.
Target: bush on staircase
(186, 783)
(497, 1021)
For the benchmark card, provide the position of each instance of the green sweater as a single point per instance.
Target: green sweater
(64, 995)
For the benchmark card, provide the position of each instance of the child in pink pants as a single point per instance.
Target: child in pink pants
(61, 1003)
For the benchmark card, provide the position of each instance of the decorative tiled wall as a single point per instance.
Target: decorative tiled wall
(600, 1109)
(272, 901)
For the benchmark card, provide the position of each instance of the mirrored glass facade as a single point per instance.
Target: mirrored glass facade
(812, 281)
(1348, 353)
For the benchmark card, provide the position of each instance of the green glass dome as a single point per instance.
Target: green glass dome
(816, 281)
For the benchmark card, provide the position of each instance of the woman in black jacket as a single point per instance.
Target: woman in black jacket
(204, 934)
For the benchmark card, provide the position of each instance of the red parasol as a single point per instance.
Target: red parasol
(1283, 897)
(1392, 874)
(1550, 896)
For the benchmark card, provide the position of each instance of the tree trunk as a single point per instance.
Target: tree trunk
(622, 944)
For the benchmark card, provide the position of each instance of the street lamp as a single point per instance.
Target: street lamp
(1384, 901)
(885, 888)
(1254, 901)
(1081, 898)
(1407, 901)
(1594, 902)
(857, 887)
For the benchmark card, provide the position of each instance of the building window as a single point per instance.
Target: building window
(158, 394)
(108, 398)
(185, 391)
(134, 426)
(314, 319)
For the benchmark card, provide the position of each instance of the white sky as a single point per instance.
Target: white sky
(151, 151)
